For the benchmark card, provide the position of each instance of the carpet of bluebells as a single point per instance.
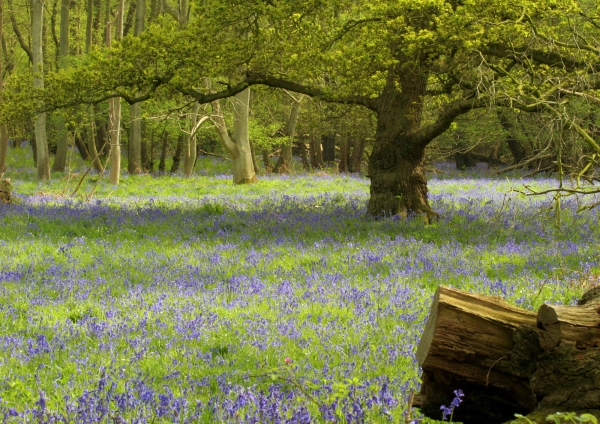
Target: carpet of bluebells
(279, 302)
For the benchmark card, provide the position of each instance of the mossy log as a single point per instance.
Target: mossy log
(5, 191)
(507, 360)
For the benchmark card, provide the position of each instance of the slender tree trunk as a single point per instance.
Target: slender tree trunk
(3, 130)
(146, 150)
(316, 154)
(102, 140)
(396, 166)
(177, 155)
(134, 153)
(254, 161)
(266, 161)
(284, 163)
(343, 166)
(89, 25)
(43, 161)
(189, 156)
(134, 165)
(83, 151)
(302, 146)
(518, 150)
(162, 165)
(60, 160)
(358, 151)
(93, 143)
(155, 9)
(114, 107)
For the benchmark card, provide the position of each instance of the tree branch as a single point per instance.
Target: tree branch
(15, 27)
(452, 111)
(552, 59)
(275, 82)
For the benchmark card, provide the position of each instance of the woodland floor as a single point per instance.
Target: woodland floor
(193, 300)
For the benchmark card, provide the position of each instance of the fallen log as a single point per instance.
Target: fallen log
(507, 360)
(5, 191)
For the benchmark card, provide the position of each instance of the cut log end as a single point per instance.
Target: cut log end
(507, 360)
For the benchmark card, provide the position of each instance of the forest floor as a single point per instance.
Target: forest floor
(167, 299)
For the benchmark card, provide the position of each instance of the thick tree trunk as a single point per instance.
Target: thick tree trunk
(60, 160)
(238, 145)
(507, 360)
(43, 160)
(284, 163)
(243, 168)
(396, 166)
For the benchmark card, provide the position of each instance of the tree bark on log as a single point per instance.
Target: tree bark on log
(507, 360)
(5, 191)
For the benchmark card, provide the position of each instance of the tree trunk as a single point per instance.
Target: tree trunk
(396, 166)
(89, 25)
(328, 152)
(316, 154)
(93, 142)
(114, 106)
(43, 160)
(518, 150)
(238, 145)
(189, 158)
(3, 129)
(507, 360)
(343, 165)
(243, 169)
(31, 131)
(83, 151)
(266, 161)
(358, 151)
(134, 152)
(134, 164)
(162, 165)
(284, 163)
(146, 150)
(302, 146)
(254, 162)
(60, 160)
(178, 152)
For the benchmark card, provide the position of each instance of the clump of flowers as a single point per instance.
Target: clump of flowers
(449, 410)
